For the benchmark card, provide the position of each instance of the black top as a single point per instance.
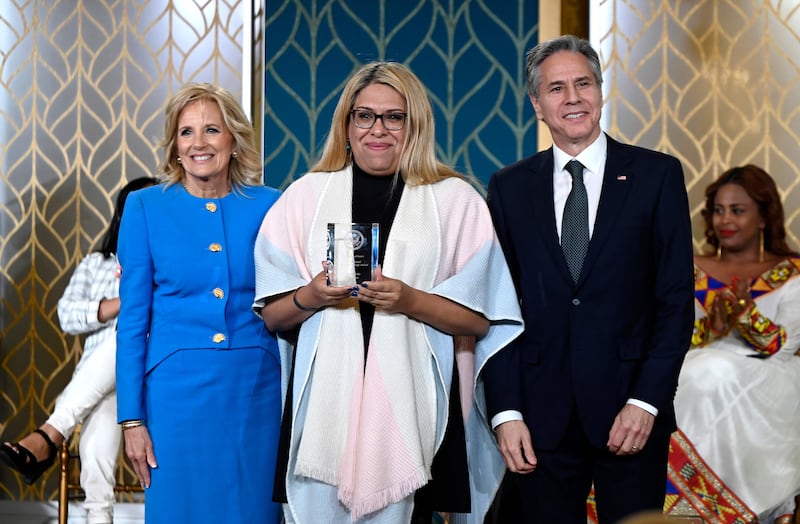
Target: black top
(375, 199)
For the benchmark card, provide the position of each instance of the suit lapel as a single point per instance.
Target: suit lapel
(617, 181)
(543, 209)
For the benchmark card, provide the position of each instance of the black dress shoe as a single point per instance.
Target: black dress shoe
(22, 460)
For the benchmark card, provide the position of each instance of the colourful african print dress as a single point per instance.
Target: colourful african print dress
(736, 455)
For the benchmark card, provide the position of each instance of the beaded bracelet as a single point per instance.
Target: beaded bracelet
(299, 305)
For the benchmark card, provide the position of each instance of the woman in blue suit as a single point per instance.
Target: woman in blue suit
(198, 375)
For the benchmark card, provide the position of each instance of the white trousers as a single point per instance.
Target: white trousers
(90, 398)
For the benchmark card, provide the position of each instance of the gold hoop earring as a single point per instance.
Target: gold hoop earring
(761, 247)
(179, 160)
(719, 250)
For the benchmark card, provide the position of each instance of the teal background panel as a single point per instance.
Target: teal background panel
(470, 55)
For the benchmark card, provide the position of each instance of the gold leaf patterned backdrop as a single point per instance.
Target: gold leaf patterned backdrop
(714, 82)
(83, 83)
(82, 89)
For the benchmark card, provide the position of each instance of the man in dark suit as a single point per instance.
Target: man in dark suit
(584, 396)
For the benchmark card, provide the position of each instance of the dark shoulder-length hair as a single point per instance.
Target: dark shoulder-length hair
(108, 246)
(760, 186)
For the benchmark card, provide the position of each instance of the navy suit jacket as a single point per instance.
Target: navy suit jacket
(623, 329)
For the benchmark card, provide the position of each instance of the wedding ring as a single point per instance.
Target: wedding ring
(742, 302)
(634, 448)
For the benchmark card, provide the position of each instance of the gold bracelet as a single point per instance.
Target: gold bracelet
(128, 424)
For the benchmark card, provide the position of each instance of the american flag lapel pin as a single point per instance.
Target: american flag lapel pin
(622, 177)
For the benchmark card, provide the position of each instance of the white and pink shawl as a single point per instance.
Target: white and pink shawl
(371, 429)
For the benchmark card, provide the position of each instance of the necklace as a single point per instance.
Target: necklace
(201, 195)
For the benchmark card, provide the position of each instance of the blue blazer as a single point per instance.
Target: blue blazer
(188, 280)
(623, 329)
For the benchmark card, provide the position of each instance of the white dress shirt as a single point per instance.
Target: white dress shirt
(593, 159)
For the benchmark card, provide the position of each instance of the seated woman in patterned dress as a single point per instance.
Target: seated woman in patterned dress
(738, 398)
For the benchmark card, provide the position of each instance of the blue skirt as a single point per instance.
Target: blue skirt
(214, 417)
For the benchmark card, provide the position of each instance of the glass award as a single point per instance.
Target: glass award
(352, 253)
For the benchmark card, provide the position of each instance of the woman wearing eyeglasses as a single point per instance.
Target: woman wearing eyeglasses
(379, 416)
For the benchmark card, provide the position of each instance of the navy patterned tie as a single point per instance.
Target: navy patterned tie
(575, 224)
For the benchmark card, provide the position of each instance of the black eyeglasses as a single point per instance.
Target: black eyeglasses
(365, 119)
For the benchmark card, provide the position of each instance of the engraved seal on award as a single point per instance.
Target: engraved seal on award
(352, 253)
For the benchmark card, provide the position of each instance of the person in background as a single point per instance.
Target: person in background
(89, 307)
(598, 238)
(738, 398)
(376, 427)
(198, 375)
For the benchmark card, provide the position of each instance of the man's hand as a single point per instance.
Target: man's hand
(514, 441)
(630, 431)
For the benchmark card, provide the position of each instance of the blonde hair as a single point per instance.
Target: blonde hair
(244, 168)
(418, 163)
